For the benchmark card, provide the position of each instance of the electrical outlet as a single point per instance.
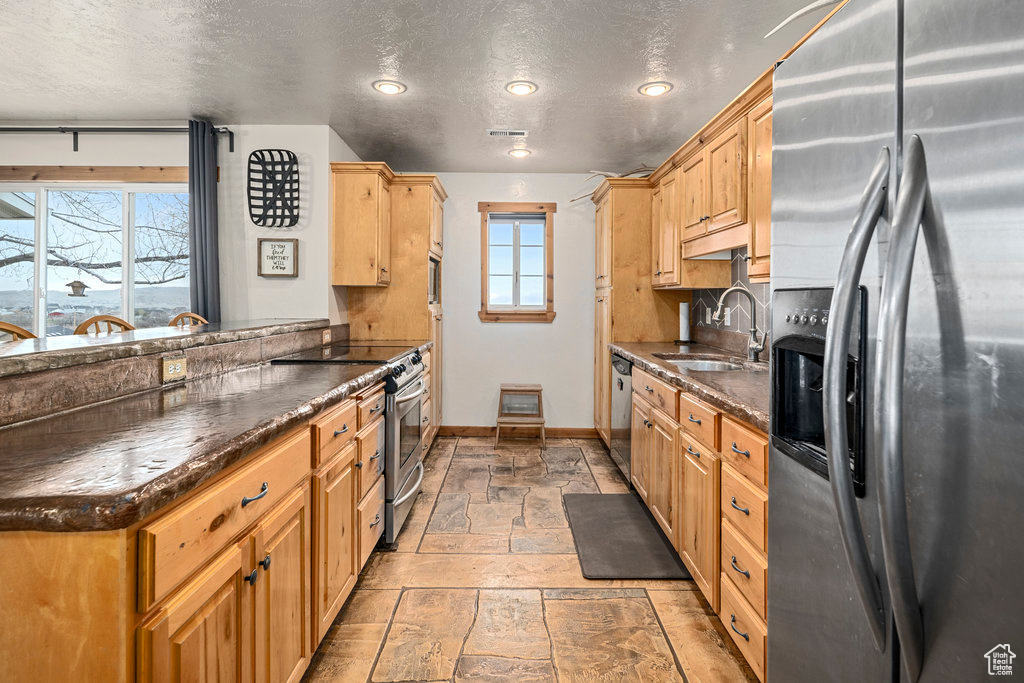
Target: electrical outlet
(174, 369)
(326, 335)
(728, 317)
(707, 316)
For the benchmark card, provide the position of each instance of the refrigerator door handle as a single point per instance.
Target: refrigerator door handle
(889, 364)
(837, 347)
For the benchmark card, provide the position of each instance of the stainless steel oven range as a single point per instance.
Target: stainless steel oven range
(403, 464)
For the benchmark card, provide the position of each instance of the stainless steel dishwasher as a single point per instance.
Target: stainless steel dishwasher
(622, 397)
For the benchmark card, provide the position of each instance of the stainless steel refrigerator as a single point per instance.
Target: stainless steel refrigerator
(896, 523)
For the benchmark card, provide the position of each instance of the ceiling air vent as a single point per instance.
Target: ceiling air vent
(507, 132)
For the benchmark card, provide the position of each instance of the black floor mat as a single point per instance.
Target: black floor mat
(616, 538)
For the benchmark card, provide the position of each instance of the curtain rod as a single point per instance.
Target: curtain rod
(75, 130)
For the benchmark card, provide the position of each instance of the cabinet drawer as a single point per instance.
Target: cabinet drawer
(746, 449)
(426, 355)
(180, 542)
(426, 387)
(371, 521)
(747, 568)
(662, 396)
(370, 458)
(371, 407)
(334, 430)
(745, 506)
(746, 628)
(700, 420)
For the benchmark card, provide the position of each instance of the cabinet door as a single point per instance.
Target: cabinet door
(602, 364)
(661, 483)
(384, 233)
(698, 515)
(436, 226)
(640, 450)
(603, 247)
(727, 178)
(693, 204)
(666, 271)
(760, 198)
(335, 568)
(203, 632)
(282, 591)
(436, 360)
(655, 231)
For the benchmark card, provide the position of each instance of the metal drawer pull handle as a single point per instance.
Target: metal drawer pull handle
(745, 511)
(692, 452)
(736, 450)
(265, 562)
(737, 569)
(375, 522)
(339, 432)
(263, 491)
(732, 625)
(693, 419)
(376, 408)
(251, 579)
(375, 455)
(648, 389)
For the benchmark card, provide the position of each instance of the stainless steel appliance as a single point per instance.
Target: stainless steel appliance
(403, 467)
(622, 412)
(899, 122)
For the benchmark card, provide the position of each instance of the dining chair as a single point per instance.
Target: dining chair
(187, 318)
(17, 333)
(93, 325)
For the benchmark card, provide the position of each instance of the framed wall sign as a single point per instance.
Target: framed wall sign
(277, 257)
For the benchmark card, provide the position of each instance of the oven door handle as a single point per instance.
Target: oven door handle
(837, 348)
(415, 488)
(416, 394)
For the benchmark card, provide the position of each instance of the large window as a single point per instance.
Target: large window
(128, 244)
(517, 253)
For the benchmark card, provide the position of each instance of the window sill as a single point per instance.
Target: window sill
(516, 316)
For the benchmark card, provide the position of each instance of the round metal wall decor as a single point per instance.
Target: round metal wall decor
(273, 188)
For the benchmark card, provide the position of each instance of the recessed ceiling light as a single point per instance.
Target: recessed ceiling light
(389, 87)
(655, 88)
(519, 152)
(521, 87)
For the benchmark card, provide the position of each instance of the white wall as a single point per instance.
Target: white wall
(479, 356)
(245, 295)
(121, 149)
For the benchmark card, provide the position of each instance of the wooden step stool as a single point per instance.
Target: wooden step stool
(520, 405)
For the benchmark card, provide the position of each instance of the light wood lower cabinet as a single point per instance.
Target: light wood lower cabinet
(204, 631)
(640, 449)
(663, 479)
(370, 518)
(336, 558)
(283, 645)
(698, 515)
(602, 364)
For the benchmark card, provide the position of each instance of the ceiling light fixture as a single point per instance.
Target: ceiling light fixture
(389, 87)
(521, 87)
(655, 88)
(519, 153)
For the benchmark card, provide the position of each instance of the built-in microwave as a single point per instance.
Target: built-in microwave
(434, 282)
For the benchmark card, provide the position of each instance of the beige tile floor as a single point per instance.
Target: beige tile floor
(484, 585)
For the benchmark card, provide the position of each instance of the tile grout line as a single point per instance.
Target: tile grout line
(387, 632)
(664, 633)
(469, 631)
(547, 628)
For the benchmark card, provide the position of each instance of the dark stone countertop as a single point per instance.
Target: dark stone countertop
(48, 353)
(743, 394)
(110, 465)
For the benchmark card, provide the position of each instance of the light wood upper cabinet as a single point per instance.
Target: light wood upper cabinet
(203, 632)
(665, 242)
(640, 449)
(662, 483)
(361, 224)
(759, 126)
(602, 363)
(698, 515)
(436, 225)
(283, 644)
(693, 204)
(727, 177)
(603, 246)
(336, 559)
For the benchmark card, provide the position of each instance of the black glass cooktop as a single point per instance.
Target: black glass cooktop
(373, 354)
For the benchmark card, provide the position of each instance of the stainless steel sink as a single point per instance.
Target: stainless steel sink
(706, 365)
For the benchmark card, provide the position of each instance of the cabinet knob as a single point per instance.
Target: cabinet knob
(251, 579)
(383, 270)
(265, 562)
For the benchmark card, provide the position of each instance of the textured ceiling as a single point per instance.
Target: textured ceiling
(312, 61)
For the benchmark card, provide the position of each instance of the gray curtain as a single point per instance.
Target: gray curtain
(204, 258)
